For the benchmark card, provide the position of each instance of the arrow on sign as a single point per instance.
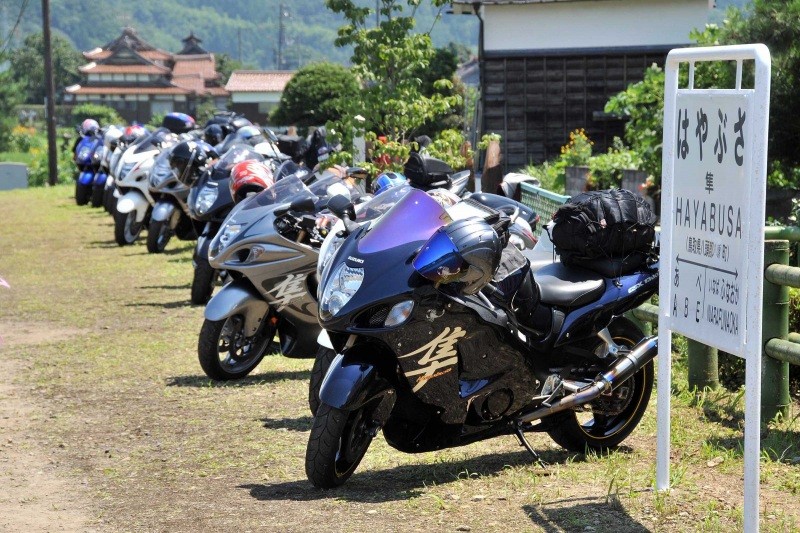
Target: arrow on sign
(735, 274)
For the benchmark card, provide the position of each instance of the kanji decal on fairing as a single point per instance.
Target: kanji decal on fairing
(288, 289)
(438, 354)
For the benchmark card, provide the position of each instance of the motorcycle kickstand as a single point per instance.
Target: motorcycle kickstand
(525, 444)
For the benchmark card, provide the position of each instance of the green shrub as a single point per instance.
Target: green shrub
(103, 114)
(605, 170)
(448, 147)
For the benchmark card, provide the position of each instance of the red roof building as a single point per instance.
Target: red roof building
(255, 93)
(139, 80)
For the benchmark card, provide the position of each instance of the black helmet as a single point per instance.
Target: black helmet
(465, 251)
(213, 134)
(188, 158)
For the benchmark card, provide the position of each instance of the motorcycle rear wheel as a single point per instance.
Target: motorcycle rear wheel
(338, 441)
(82, 193)
(126, 229)
(109, 201)
(158, 235)
(223, 351)
(601, 431)
(322, 362)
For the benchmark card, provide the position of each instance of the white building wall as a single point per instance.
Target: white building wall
(255, 98)
(592, 24)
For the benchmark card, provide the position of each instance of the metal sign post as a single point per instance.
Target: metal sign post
(712, 234)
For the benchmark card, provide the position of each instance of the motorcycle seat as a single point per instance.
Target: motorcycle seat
(568, 286)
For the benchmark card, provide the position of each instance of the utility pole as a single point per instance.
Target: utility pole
(50, 91)
(281, 36)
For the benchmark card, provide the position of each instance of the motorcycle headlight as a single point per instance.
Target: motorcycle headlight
(126, 168)
(229, 232)
(326, 253)
(343, 283)
(159, 175)
(205, 199)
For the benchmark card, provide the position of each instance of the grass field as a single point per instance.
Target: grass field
(101, 341)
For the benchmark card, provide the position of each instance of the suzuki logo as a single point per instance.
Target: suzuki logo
(287, 290)
(438, 354)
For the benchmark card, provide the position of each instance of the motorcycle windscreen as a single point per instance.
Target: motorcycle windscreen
(414, 218)
(380, 203)
(282, 192)
(330, 186)
(237, 154)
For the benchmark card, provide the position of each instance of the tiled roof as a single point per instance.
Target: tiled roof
(202, 64)
(153, 55)
(78, 89)
(258, 80)
(95, 68)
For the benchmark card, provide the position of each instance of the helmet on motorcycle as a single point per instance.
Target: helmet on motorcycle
(111, 137)
(187, 158)
(465, 251)
(89, 127)
(133, 132)
(387, 180)
(249, 177)
(247, 132)
(213, 134)
(178, 122)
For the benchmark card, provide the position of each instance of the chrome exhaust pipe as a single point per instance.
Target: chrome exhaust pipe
(626, 366)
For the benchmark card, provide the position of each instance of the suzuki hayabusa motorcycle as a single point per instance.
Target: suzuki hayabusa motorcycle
(135, 203)
(438, 347)
(170, 215)
(88, 157)
(269, 246)
(209, 203)
(520, 234)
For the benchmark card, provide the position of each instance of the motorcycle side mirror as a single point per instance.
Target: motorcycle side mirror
(302, 205)
(271, 135)
(342, 207)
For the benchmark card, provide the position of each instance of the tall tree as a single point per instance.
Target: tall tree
(388, 58)
(9, 98)
(27, 66)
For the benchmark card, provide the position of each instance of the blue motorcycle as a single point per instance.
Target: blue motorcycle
(91, 178)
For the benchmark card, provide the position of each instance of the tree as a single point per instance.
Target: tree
(388, 58)
(315, 95)
(9, 98)
(225, 65)
(27, 66)
(443, 66)
(102, 114)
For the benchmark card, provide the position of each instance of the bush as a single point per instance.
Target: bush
(103, 114)
(449, 147)
(605, 170)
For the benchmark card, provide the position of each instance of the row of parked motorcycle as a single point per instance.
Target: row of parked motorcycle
(434, 315)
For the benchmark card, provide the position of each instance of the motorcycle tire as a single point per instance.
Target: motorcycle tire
(338, 441)
(126, 229)
(97, 197)
(109, 202)
(224, 338)
(158, 235)
(203, 283)
(611, 419)
(82, 193)
(322, 362)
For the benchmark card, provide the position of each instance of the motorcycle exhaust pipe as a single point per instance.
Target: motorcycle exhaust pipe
(626, 366)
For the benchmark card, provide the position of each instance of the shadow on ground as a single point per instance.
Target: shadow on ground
(592, 515)
(247, 381)
(302, 423)
(402, 482)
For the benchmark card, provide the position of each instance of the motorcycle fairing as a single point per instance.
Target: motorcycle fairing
(86, 177)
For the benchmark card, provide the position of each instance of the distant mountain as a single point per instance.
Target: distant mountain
(244, 29)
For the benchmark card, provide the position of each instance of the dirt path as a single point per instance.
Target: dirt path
(37, 495)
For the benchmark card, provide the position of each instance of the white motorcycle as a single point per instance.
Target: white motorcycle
(135, 202)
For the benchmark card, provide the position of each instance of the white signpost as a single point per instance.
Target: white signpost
(712, 233)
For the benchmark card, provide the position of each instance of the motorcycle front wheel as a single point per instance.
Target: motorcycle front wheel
(338, 441)
(610, 419)
(109, 202)
(203, 282)
(322, 362)
(82, 193)
(126, 229)
(158, 235)
(224, 351)
(97, 196)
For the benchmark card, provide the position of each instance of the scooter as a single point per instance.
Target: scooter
(440, 347)
(170, 214)
(88, 155)
(133, 208)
